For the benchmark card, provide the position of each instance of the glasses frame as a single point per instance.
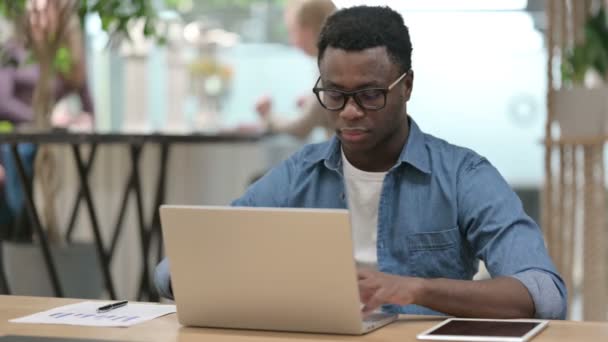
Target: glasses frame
(348, 94)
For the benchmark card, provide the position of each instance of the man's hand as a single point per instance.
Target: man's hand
(63, 118)
(263, 106)
(377, 288)
(501, 297)
(301, 101)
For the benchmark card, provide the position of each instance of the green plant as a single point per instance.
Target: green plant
(12, 8)
(115, 15)
(591, 54)
(53, 31)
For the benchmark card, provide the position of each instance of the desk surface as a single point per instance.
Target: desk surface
(168, 329)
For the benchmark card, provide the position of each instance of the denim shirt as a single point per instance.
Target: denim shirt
(442, 208)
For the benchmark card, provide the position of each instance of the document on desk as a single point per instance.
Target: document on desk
(85, 313)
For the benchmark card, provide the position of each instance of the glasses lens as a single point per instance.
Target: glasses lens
(371, 98)
(331, 99)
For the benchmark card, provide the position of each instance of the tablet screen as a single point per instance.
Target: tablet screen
(485, 328)
(477, 329)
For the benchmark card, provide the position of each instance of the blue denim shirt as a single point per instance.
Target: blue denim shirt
(442, 208)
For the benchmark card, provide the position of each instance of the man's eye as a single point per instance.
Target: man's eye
(370, 95)
(334, 95)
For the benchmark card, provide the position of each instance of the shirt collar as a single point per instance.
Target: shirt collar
(414, 152)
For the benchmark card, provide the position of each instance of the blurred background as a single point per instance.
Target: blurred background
(479, 69)
(480, 79)
(191, 67)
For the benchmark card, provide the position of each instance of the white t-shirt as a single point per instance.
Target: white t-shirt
(363, 196)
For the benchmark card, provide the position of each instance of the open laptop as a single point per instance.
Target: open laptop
(265, 268)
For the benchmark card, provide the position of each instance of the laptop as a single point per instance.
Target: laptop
(265, 269)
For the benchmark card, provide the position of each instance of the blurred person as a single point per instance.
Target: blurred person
(18, 80)
(304, 19)
(423, 212)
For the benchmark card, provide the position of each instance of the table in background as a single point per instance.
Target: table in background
(167, 329)
(148, 229)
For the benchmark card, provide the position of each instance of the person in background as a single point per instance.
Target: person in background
(18, 79)
(304, 19)
(423, 212)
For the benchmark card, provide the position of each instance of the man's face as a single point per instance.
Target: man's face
(362, 130)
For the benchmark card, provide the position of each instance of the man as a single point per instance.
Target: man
(422, 211)
(304, 20)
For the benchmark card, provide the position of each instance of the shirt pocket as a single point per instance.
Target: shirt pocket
(436, 254)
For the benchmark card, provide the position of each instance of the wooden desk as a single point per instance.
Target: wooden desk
(167, 328)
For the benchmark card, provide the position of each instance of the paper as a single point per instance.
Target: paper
(85, 313)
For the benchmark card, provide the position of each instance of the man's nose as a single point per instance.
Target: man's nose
(351, 110)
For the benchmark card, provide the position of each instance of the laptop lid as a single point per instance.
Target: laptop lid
(263, 268)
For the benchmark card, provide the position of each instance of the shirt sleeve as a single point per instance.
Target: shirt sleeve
(547, 296)
(11, 107)
(162, 279)
(271, 190)
(509, 242)
(86, 100)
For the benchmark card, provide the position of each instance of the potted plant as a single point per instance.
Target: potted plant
(581, 105)
(48, 27)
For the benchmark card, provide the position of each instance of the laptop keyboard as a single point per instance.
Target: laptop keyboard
(376, 320)
(376, 316)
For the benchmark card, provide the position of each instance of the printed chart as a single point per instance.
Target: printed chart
(85, 313)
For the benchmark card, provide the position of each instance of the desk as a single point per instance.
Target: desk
(167, 329)
(149, 229)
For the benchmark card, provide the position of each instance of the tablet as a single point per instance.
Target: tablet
(475, 329)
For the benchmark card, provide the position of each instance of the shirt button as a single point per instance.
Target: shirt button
(381, 245)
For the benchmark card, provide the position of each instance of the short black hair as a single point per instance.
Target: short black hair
(363, 27)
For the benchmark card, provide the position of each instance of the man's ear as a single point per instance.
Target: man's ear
(408, 81)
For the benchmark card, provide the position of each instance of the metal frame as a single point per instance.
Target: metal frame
(148, 233)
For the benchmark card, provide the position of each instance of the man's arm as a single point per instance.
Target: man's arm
(162, 279)
(491, 219)
(272, 189)
(300, 127)
(11, 108)
(503, 297)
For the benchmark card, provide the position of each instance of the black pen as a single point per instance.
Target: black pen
(112, 306)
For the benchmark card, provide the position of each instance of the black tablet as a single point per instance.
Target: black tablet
(473, 329)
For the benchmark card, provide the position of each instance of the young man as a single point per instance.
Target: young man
(423, 211)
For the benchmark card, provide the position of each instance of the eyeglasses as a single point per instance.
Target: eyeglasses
(368, 98)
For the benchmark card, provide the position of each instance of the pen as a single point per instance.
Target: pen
(112, 306)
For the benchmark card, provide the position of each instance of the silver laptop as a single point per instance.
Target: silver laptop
(265, 268)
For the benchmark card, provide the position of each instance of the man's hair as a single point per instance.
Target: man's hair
(363, 27)
(311, 13)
